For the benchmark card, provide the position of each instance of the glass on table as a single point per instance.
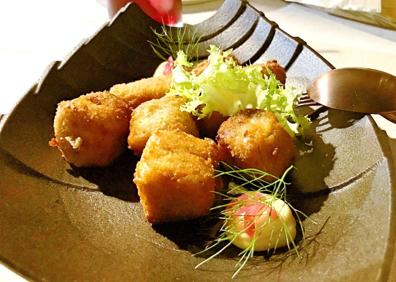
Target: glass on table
(168, 12)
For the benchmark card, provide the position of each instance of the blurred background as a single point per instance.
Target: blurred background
(34, 33)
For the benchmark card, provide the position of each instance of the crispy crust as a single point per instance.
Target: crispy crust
(255, 139)
(175, 176)
(208, 126)
(276, 69)
(91, 130)
(137, 92)
(158, 114)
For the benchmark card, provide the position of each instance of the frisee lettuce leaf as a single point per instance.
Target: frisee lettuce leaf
(226, 87)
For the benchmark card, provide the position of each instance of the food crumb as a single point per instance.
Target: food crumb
(74, 142)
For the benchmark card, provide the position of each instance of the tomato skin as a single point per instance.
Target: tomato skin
(165, 68)
(254, 213)
(259, 218)
(169, 66)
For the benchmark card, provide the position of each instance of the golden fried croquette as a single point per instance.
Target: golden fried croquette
(158, 114)
(179, 141)
(137, 92)
(255, 139)
(209, 125)
(175, 176)
(91, 130)
(276, 69)
(200, 67)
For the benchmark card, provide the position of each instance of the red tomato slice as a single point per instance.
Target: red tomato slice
(254, 212)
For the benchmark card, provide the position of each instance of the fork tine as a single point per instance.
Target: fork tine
(306, 104)
(304, 100)
(304, 97)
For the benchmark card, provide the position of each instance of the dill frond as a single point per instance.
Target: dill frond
(243, 181)
(169, 41)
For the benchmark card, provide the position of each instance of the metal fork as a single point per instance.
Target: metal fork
(303, 101)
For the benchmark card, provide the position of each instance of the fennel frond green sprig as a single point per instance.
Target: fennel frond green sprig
(255, 179)
(169, 41)
(246, 181)
(310, 243)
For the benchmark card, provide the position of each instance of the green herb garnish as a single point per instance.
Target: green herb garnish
(246, 181)
(169, 41)
(227, 88)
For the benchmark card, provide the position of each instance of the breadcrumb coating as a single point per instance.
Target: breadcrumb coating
(137, 92)
(255, 139)
(208, 126)
(158, 114)
(276, 69)
(91, 130)
(175, 176)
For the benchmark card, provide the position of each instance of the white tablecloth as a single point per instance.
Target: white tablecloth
(34, 33)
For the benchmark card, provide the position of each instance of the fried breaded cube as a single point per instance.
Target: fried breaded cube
(208, 126)
(255, 139)
(200, 67)
(91, 130)
(158, 114)
(276, 69)
(175, 176)
(137, 92)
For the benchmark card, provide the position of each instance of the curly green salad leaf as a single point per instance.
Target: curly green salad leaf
(226, 87)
